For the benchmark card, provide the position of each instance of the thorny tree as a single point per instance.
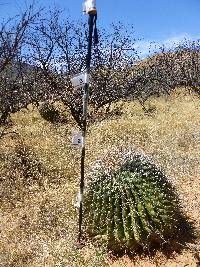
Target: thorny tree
(12, 39)
(42, 58)
(59, 49)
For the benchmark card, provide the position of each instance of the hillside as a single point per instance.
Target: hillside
(38, 219)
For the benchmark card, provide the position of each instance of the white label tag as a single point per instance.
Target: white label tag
(79, 80)
(81, 197)
(87, 76)
(77, 140)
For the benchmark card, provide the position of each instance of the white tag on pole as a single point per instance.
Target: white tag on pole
(89, 7)
(79, 80)
(77, 140)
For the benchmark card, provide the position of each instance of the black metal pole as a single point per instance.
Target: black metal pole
(84, 122)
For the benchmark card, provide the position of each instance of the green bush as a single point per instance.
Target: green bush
(51, 113)
(131, 206)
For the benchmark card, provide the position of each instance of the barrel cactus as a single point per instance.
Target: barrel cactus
(132, 206)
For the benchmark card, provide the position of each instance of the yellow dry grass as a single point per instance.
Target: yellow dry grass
(39, 223)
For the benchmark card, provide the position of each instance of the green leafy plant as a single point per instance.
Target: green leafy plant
(131, 206)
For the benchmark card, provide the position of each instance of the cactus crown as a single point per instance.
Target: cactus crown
(130, 206)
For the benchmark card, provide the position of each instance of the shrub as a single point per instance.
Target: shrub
(25, 162)
(21, 171)
(131, 206)
(51, 113)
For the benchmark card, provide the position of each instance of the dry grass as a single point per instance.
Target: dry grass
(38, 220)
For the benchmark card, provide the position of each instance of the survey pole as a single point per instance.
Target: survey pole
(91, 11)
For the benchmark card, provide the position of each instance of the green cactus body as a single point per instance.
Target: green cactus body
(131, 206)
(118, 219)
(126, 218)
